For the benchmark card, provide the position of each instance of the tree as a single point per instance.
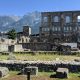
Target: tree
(12, 34)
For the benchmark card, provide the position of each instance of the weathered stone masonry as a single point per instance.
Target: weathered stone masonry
(42, 65)
(60, 26)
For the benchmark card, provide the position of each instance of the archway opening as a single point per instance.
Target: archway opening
(78, 18)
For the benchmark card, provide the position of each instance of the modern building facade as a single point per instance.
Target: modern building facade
(60, 26)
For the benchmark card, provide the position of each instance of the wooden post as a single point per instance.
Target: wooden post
(28, 75)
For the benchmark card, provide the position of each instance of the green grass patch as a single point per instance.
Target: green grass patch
(43, 57)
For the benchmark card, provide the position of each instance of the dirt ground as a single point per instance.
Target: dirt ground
(20, 77)
(41, 76)
(38, 78)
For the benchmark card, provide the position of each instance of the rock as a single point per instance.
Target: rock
(62, 73)
(77, 60)
(33, 70)
(3, 71)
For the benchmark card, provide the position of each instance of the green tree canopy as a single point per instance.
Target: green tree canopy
(12, 34)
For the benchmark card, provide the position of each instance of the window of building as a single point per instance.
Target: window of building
(26, 40)
(59, 29)
(66, 28)
(68, 19)
(45, 29)
(53, 29)
(22, 40)
(70, 28)
(78, 18)
(76, 28)
(56, 29)
(56, 19)
(45, 19)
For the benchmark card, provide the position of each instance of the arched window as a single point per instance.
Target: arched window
(26, 40)
(22, 40)
(66, 28)
(45, 19)
(56, 29)
(68, 19)
(45, 29)
(56, 19)
(70, 28)
(53, 29)
(78, 18)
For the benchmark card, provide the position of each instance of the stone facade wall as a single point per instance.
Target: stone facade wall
(16, 48)
(3, 48)
(23, 39)
(71, 35)
(37, 46)
(7, 41)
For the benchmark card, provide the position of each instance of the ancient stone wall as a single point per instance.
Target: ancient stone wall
(16, 48)
(60, 25)
(42, 65)
(37, 46)
(3, 48)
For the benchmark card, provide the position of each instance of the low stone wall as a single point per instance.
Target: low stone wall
(37, 46)
(42, 65)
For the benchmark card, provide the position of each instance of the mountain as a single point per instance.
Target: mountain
(5, 21)
(16, 18)
(32, 19)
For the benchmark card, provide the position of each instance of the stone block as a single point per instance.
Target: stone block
(62, 73)
(33, 70)
(3, 71)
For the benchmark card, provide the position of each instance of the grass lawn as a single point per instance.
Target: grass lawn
(41, 76)
(43, 57)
